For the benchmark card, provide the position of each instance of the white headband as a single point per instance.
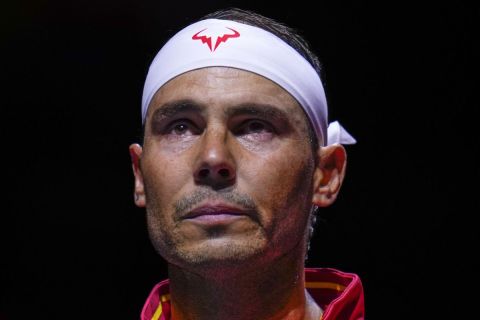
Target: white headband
(226, 43)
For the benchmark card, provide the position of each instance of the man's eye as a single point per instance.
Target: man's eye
(181, 128)
(256, 126)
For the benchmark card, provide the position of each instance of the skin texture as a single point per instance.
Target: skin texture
(218, 135)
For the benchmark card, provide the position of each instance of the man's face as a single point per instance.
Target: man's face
(227, 169)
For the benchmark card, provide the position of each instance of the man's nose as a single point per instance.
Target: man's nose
(215, 165)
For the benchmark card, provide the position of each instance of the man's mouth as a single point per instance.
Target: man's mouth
(216, 212)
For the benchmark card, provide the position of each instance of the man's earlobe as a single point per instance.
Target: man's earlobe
(139, 190)
(329, 174)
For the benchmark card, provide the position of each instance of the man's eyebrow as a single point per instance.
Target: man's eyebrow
(265, 111)
(172, 108)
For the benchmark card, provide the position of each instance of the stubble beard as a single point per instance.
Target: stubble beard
(213, 256)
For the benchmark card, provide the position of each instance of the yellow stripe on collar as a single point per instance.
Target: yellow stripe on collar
(158, 312)
(324, 285)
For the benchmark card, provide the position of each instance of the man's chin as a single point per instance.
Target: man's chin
(214, 256)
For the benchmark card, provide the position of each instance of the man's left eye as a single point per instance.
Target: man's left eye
(256, 126)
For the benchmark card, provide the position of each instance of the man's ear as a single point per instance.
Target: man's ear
(329, 174)
(139, 190)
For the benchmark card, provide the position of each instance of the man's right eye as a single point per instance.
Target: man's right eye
(182, 127)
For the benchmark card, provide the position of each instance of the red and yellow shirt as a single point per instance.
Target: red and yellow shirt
(339, 294)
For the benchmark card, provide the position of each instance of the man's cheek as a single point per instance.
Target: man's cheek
(277, 176)
(166, 179)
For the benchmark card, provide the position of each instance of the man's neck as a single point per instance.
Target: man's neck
(275, 291)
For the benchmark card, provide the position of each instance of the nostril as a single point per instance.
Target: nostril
(203, 173)
(224, 173)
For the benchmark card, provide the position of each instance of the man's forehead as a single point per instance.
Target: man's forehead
(223, 87)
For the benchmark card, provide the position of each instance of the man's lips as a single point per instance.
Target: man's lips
(216, 211)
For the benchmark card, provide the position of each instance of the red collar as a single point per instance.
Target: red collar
(339, 294)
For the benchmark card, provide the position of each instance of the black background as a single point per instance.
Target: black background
(400, 77)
